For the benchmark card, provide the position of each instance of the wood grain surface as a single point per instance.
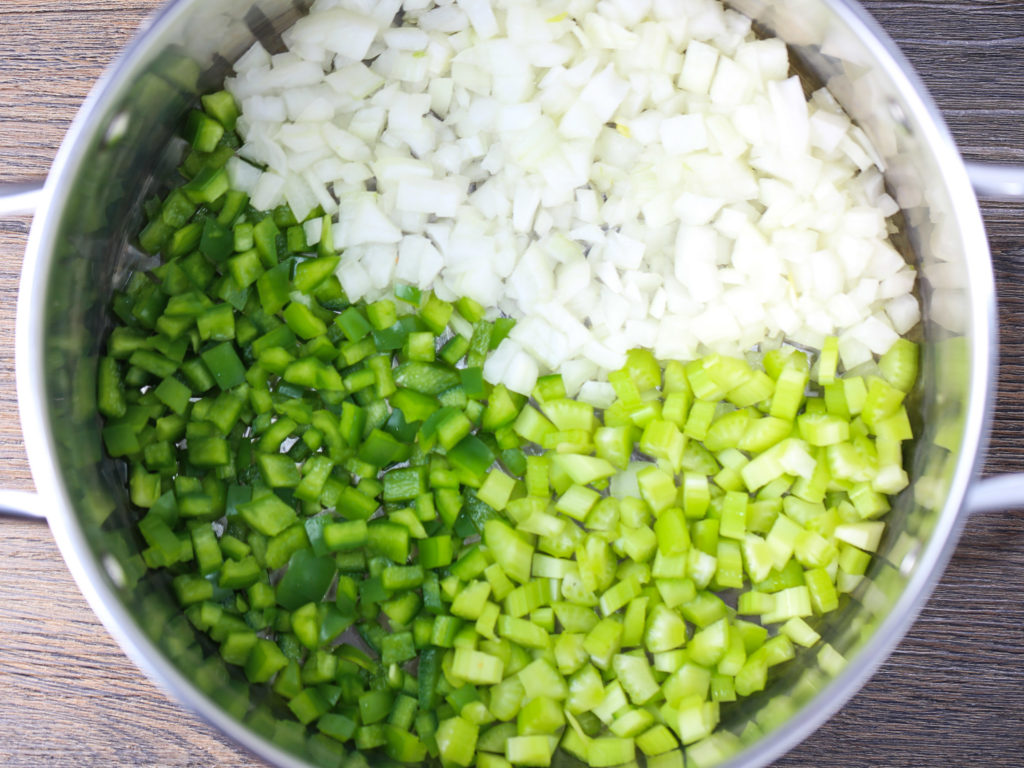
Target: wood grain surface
(951, 694)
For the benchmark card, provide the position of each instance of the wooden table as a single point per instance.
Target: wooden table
(951, 694)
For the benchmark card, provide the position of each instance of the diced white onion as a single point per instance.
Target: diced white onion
(633, 173)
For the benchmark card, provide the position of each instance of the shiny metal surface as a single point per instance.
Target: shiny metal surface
(121, 149)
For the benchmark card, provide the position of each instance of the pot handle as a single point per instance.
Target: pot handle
(998, 182)
(995, 494)
(23, 197)
(23, 504)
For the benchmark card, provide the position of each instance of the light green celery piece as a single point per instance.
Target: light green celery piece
(630, 723)
(789, 393)
(671, 759)
(868, 503)
(723, 688)
(696, 495)
(828, 361)
(830, 660)
(547, 567)
(669, 566)
(734, 515)
(570, 656)
(676, 592)
(470, 600)
(864, 535)
(604, 641)
(729, 565)
(638, 543)
(757, 389)
(565, 543)
(736, 655)
(456, 741)
(814, 550)
(761, 514)
(754, 674)
(758, 557)
(662, 439)
(670, 661)
(540, 678)
(688, 681)
(506, 698)
(754, 603)
(540, 715)
(853, 560)
(761, 434)
(477, 667)
(778, 649)
(510, 550)
(541, 523)
(708, 645)
(567, 414)
(596, 563)
(522, 632)
(890, 480)
(665, 629)
(575, 618)
(899, 365)
(657, 488)
(822, 589)
(487, 621)
(699, 419)
(701, 567)
(657, 740)
(672, 532)
(726, 430)
(537, 473)
(496, 489)
(531, 425)
(526, 598)
(697, 719)
(606, 751)
(531, 751)
(794, 601)
(491, 760)
(676, 407)
(576, 592)
(544, 618)
(500, 584)
(574, 740)
(633, 622)
(618, 595)
(603, 516)
(765, 467)
(896, 426)
(634, 512)
(586, 690)
(583, 470)
(577, 502)
(635, 675)
(781, 540)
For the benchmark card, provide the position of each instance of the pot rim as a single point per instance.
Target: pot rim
(95, 583)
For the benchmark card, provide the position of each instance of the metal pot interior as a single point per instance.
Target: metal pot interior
(122, 150)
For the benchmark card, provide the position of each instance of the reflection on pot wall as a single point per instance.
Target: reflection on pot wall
(131, 155)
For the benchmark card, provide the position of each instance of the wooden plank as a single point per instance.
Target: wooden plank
(952, 693)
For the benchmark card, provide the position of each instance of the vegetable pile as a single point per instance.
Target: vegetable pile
(424, 554)
(611, 174)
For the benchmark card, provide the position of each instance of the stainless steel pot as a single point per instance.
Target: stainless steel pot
(121, 149)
